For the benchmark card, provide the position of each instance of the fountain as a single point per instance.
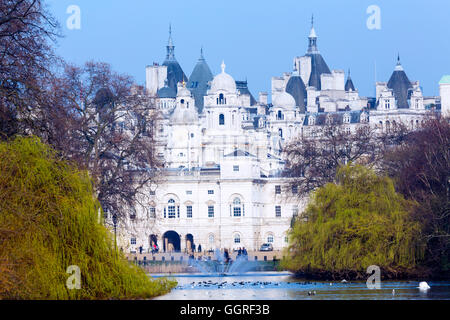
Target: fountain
(223, 265)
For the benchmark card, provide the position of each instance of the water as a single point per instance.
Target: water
(282, 286)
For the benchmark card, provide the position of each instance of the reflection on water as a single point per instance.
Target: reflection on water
(282, 286)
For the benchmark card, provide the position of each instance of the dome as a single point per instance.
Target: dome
(166, 92)
(284, 100)
(223, 82)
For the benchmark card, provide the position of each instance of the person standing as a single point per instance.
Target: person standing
(199, 248)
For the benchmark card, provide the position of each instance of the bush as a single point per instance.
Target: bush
(357, 222)
(49, 220)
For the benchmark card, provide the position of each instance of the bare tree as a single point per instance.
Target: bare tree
(105, 124)
(312, 160)
(420, 165)
(27, 31)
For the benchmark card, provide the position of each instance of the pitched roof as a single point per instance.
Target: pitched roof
(349, 84)
(400, 85)
(198, 81)
(243, 89)
(174, 74)
(296, 88)
(239, 153)
(318, 67)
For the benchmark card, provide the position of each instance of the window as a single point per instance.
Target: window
(237, 210)
(347, 118)
(211, 239)
(280, 132)
(236, 168)
(286, 239)
(171, 209)
(277, 189)
(210, 211)
(270, 238)
(280, 115)
(188, 192)
(189, 211)
(221, 99)
(237, 239)
(133, 240)
(210, 191)
(387, 104)
(152, 212)
(221, 120)
(278, 211)
(294, 190)
(152, 193)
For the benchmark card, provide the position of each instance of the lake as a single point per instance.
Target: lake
(283, 286)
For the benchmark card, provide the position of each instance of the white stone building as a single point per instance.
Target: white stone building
(222, 186)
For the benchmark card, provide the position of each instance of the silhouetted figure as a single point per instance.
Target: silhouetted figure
(140, 250)
(226, 256)
(199, 248)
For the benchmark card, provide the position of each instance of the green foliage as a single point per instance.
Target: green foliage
(357, 222)
(49, 220)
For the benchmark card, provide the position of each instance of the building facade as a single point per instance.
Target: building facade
(222, 184)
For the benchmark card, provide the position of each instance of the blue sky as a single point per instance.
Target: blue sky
(259, 39)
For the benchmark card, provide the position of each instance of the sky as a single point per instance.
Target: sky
(259, 39)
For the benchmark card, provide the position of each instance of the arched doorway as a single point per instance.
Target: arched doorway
(153, 241)
(171, 242)
(190, 243)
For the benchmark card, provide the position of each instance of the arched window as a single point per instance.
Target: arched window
(221, 99)
(221, 119)
(237, 208)
(270, 238)
(171, 209)
(280, 115)
(237, 238)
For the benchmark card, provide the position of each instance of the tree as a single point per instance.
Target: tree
(105, 124)
(420, 166)
(349, 225)
(313, 160)
(27, 31)
(48, 222)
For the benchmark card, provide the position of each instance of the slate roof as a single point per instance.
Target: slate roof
(167, 92)
(198, 81)
(400, 85)
(338, 117)
(242, 86)
(296, 88)
(174, 74)
(349, 84)
(318, 67)
(239, 153)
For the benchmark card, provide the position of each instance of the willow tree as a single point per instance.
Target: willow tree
(349, 225)
(48, 222)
